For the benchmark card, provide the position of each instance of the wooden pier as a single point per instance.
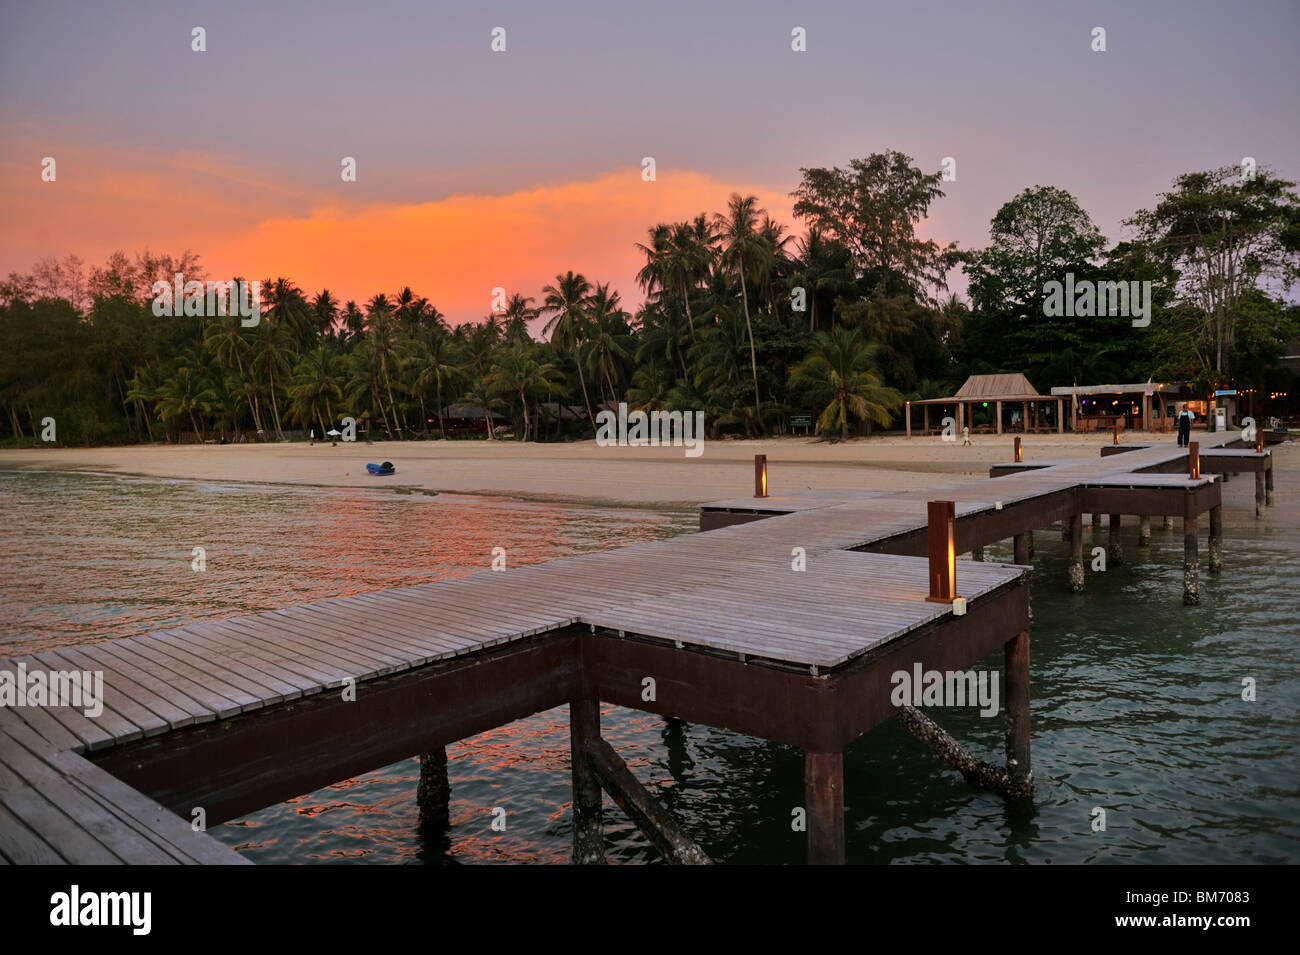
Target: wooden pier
(785, 622)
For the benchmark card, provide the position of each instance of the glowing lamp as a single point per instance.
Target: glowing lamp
(942, 517)
(1259, 441)
(1194, 460)
(1019, 458)
(760, 475)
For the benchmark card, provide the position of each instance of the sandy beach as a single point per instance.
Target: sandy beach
(579, 471)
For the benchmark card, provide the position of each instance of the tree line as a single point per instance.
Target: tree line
(741, 318)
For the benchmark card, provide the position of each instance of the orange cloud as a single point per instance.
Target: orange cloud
(241, 221)
(456, 250)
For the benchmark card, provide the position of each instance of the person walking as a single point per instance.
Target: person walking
(1184, 427)
(965, 437)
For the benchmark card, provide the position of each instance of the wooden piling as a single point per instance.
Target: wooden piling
(1144, 531)
(1216, 539)
(1075, 573)
(975, 771)
(1020, 546)
(588, 827)
(433, 796)
(1191, 563)
(642, 808)
(1114, 549)
(1268, 483)
(1260, 494)
(1167, 524)
(977, 553)
(824, 795)
(1016, 665)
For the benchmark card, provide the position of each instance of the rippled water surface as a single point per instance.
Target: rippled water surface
(1137, 705)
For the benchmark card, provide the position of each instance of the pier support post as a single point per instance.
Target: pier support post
(1144, 531)
(1268, 483)
(1096, 522)
(588, 828)
(1016, 664)
(1075, 574)
(1260, 494)
(824, 795)
(1065, 531)
(1114, 549)
(1191, 562)
(1020, 545)
(977, 553)
(433, 795)
(1167, 524)
(1029, 543)
(1216, 539)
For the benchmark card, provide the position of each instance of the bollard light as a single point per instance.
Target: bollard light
(1018, 457)
(1194, 460)
(1259, 442)
(760, 475)
(942, 517)
(1114, 435)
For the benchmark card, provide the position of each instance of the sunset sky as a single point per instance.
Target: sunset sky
(478, 169)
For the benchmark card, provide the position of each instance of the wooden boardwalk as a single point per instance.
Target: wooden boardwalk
(234, 715)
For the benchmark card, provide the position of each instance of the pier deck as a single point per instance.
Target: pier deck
(231, 716)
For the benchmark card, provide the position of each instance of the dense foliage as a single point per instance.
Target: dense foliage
(741, 320)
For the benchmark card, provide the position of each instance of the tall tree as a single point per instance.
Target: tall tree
(1229, 235)
(841, 370)
(567, 301)
(743, 251)
(872, 208)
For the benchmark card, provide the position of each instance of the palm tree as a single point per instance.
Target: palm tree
(288, 307)
(567, 301)
(774, 241)
(224, 338)
(482, 393)
(313, 385)
(519, 373)
(518, 313)
(743, 250)
(354, 324)
(325, 312)
(655, 277)
(145, 389)
(382, 333)
(433, 361)
(365, 383)
(841, 370)
(184, 394)
(691, 253)
(272, 352)
(825, 268)
(608, 340)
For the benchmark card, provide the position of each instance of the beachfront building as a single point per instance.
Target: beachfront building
(993, 404)
(1145, 406)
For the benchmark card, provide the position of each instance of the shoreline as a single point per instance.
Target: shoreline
(572, 472)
